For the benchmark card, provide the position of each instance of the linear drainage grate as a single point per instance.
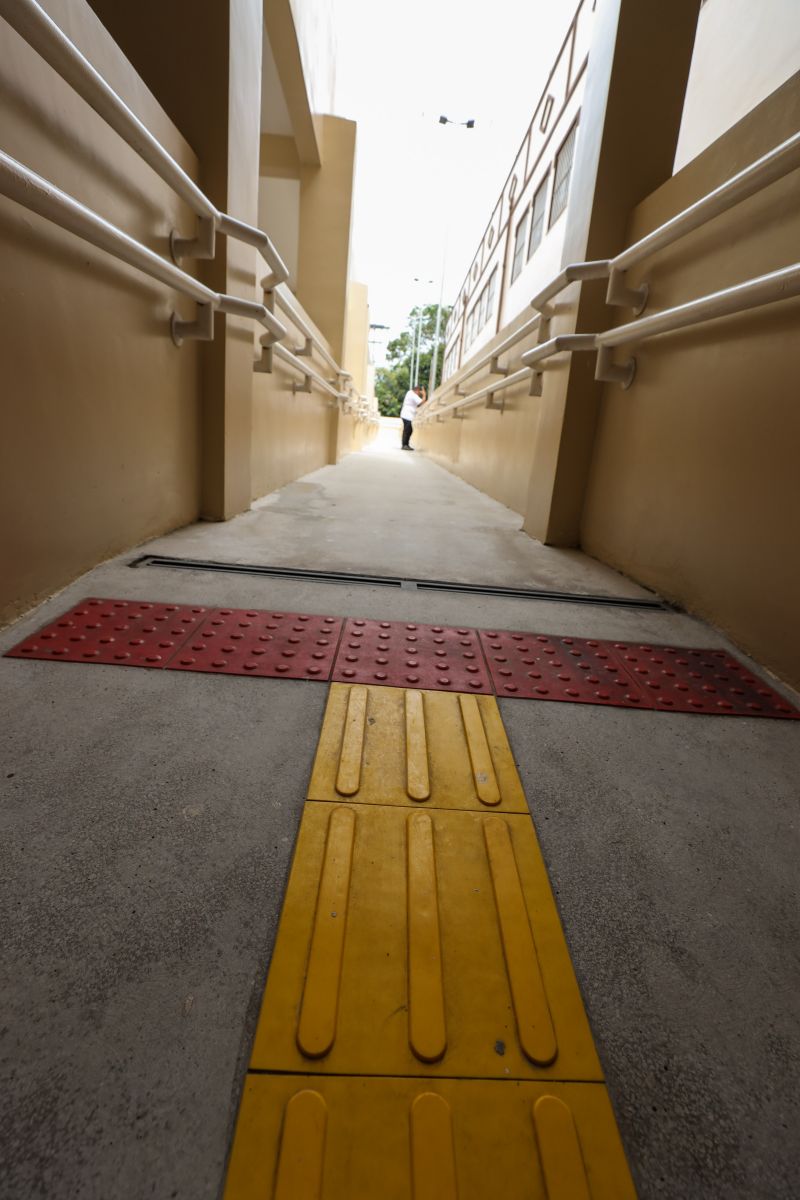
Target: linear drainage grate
(422, 585)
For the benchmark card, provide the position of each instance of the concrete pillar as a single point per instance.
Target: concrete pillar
(629, 123)
(326, 202)
(202, 61)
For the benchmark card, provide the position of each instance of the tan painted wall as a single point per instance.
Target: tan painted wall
(292, 434)
(100, 412)
(325, 214)
(695, 485)
(356, 336)
(489, 448)
(326, 203)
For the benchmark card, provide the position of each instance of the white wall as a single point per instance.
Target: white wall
(279, 215)
(316, 37)
(744, 50)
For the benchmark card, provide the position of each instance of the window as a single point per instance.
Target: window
(563, 171)
(482, 310)
(546, 111)
(519, 247)
(490, 287)
(537, 217)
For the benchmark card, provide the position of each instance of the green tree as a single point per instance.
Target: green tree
(393, 381)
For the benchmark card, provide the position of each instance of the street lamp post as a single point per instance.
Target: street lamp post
(416, 340)
(435, 356)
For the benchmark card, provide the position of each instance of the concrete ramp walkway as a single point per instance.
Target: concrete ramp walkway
(149, 817)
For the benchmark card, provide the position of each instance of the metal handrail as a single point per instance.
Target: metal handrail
(783, 284)
(38, 195)
(597, 269)
(291, 307)
(773, 165)
(311, 376)
(493, 355)
(765, 289)
(41, 32)
(474, 397)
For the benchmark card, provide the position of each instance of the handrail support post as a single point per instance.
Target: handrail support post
(607, 371)
(199, 330)
(618, 293)
(202, 246)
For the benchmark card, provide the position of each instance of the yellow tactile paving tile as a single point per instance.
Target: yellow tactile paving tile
(421, 942)
(383, 745)
(334, 1138)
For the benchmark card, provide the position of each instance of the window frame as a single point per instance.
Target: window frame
(518, 257)
(572, 132)
(541, 190)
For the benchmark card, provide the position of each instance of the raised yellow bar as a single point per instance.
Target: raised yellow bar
(453, 962)
(413, 1139)
(435, 749)
(426, 1021)
(302, 1148)
(316, 1028)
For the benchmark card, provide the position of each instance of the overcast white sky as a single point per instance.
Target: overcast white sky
(419, 183)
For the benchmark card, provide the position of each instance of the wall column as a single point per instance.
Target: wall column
(202, 61)
(629, 123)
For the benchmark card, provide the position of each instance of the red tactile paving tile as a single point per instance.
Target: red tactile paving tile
(407, 654)
(682, 679)
(536, 666)
(131, 633)
(238, 641)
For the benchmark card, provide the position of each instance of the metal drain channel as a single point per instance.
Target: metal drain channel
(422, 585)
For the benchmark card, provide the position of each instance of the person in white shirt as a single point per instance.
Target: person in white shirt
(413, 399)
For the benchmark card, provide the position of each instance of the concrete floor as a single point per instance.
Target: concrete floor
(148, 820)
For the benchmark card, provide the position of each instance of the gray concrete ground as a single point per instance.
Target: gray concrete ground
(429, 524)
(147, 825)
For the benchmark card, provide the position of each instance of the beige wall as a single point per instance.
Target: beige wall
(491, 448)
(355, 357)
(325, 214)
(695, 485)
(292, 434)
(100, 445)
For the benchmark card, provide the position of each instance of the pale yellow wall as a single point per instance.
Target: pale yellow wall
(279, 212)
(212, 90)
(325, 215)
(743, 52)
(695, 485)
(489, 448)
(292, 434)
(326, 203)
(100, 445)
(356, 341)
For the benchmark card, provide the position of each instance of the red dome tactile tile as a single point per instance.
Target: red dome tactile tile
(408, 654)
(684, 679)
(128, 633)
(538, 666)
(278, 645)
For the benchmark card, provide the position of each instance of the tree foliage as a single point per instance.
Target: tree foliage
(393, 381)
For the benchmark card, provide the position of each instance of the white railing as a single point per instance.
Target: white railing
(773, 165)
(752, 293)
(310, 376)
(39, 30)
(40, 196)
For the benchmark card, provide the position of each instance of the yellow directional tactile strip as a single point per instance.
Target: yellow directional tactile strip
(301, 1138)
(421, 942)
(422, 1036)
(385, 745)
